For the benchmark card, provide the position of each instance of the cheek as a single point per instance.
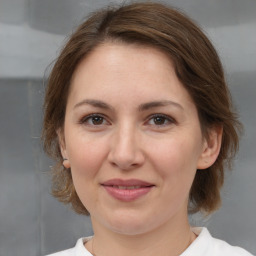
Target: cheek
(86, 156)
(176, 161)
(86, 159)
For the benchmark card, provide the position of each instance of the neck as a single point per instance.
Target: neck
(171, 239)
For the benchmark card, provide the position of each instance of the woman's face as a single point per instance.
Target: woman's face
(132, 138)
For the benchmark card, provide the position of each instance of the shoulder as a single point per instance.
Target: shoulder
(206, 245)
(78, 250)
(223, 248)
(69, 252)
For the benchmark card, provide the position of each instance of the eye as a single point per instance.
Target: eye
(94, 120)
(160, 120)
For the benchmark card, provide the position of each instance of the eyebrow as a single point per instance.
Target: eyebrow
(155, 104)
(142, 107)
(94, 103)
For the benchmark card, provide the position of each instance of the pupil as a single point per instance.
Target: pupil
(97, 120)
(159, 120)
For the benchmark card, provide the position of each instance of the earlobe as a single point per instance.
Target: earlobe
(62, 144)
(211, 148)
(66, 163)
(63, 150)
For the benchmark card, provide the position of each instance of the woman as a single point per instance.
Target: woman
(139, 119)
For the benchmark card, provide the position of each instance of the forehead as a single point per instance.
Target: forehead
(119, 56)
(116, 69)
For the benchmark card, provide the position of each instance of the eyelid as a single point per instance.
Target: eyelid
(85, 118)
(170, 119)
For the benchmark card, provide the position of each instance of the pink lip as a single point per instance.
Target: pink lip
(127, 194)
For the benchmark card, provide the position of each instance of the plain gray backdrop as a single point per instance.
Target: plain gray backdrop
(32, 223)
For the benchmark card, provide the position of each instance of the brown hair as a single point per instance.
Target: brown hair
(197, 66)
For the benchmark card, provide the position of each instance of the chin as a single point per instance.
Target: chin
(131, 230)
(128, 224)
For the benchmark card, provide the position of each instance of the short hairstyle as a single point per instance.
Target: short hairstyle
(197, 66)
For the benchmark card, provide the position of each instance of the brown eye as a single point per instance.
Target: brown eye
(159, 120)
(94, 120)
(97, 120)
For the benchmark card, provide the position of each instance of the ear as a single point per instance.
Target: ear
(211, 147)
(63, 149)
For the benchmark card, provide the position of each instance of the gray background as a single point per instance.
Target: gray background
(31, 33)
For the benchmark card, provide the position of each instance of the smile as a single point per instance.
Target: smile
(127, 190)
(130, 187)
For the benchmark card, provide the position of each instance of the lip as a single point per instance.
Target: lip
(127, 190)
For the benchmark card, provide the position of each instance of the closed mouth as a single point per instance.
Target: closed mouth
(127, 190)
(129, 187)
(127, 184)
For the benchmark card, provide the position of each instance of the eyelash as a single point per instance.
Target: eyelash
(165, 118)
(85, 119)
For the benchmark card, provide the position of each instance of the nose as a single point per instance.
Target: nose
(126, 151)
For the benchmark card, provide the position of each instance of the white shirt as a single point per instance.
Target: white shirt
(203, 245)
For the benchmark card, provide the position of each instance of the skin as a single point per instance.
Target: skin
(124, 140)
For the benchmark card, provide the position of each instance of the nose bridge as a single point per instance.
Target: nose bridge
(125, 149)
(126, 139)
